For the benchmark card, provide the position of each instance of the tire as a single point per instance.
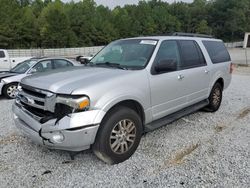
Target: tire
(119, 135)
(215, 98)
(9, 91)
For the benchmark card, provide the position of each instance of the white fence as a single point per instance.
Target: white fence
(56, 52)
(234, 44)
(238, 55)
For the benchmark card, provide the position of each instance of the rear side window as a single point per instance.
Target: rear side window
(60, 63)
(2, 55)
(191, 54)
(217, 51)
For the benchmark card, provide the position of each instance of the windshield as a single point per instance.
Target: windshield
(130, 53)
(23, 67)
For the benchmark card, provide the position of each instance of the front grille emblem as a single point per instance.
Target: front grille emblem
(26, 100)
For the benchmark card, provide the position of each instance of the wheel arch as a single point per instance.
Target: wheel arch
(220, 81)
(130, 103)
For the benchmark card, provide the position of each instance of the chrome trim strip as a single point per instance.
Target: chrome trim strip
(32, 96)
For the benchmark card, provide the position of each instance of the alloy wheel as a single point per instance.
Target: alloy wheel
(123, 136)
(11, 91)
(216, 98)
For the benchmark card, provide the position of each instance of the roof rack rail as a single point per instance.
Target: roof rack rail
(191, 35)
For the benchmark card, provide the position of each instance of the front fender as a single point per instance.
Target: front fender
(110, 99)
(16, 78)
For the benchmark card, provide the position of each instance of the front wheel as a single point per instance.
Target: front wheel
(119, 135)
(215, 98)
(9, 90)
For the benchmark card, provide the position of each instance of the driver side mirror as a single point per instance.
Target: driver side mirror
(166, 65)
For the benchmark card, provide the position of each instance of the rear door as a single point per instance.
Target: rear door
(4, 61)
(194, 71)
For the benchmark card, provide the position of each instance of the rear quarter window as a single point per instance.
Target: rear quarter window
(217, 51)
(61, 63)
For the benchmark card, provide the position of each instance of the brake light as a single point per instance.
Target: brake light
(231, 68)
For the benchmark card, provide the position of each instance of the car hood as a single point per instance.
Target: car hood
(65, 81)
(6, 74)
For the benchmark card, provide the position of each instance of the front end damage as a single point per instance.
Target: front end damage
(35, 114)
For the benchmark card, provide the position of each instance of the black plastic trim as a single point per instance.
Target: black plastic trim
(175, 116)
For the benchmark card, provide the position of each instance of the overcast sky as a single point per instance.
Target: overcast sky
(113, 3)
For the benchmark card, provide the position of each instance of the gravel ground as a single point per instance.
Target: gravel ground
(199, 150)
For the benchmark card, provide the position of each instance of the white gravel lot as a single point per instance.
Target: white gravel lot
(199, 150)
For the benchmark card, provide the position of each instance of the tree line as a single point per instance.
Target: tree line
(54, 24)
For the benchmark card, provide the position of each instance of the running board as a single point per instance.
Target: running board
(177, 115)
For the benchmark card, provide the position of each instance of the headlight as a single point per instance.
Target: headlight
(67, 104)
(76, 103)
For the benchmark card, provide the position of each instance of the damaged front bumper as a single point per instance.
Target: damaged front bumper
(75, 132)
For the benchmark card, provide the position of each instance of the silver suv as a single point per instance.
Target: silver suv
(130, 87)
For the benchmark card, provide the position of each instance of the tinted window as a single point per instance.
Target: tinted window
(217, 51)
(191, 54)
(43, 66)
(60, 63)
(2, 55)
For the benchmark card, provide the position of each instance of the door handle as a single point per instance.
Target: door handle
(207, 71)
(180, 77)
(5, 60)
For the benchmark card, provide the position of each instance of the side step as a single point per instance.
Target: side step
(177, 115)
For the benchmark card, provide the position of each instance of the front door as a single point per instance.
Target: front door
(168, 93)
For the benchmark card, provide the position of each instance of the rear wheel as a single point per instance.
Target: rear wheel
(119, 135)
(9, 90)
(215, 98)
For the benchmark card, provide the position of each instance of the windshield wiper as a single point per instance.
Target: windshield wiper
(116, 65)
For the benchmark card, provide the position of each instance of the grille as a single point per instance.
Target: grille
(31, 98)
(37, 103)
